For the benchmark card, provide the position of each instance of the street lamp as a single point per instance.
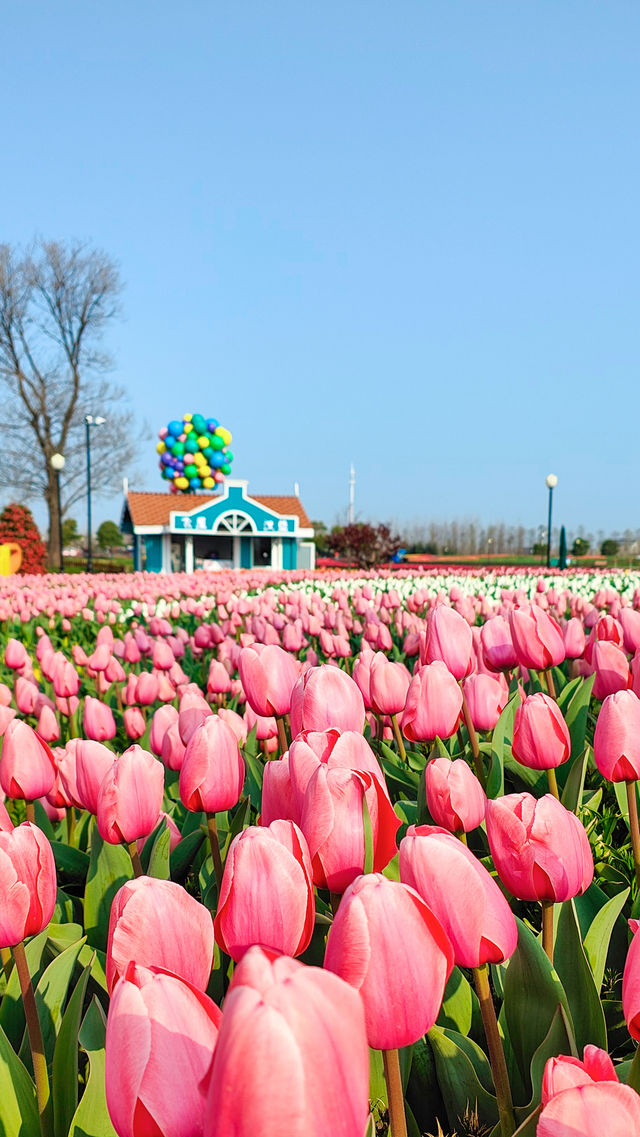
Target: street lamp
(57, 465)
(551, 482)
(89, 421)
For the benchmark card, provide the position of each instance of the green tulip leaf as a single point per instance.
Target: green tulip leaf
(574, 784)
(576, 714)
(185, 853)
(456, 1011)
(501, 746)
(70, 862)
(158, 865)
(91, 1118)
(65, 1060)
(577, 979)
(18, 1108)
(532, 994)
(559, 1040)
(458, 1080)
(109, 868)
(423, 1092)
(598, 937)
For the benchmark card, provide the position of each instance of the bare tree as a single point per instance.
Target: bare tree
(55, 300)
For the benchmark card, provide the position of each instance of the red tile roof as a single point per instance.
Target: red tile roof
(154, 508)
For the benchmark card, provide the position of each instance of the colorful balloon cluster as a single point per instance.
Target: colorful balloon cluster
(194, 453)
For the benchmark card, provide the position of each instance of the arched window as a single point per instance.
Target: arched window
(234, 522)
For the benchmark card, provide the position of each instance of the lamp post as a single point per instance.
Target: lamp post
(89, 421)
(57, 465)
(551, 482)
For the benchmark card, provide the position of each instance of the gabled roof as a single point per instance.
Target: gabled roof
(155, 508)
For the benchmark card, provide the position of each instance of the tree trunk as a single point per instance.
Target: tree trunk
(53, 506)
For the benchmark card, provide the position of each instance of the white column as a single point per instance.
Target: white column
(188, 553)
(276, 553)
(236, 552)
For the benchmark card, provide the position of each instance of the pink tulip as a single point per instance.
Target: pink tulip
(389, 683)
(326, 697)
(541, 737)
(65, 679)
(305, 1031)
(332, 822)
(362, 672)
(212, 771)
(611, 667)
(449, 639)
(90, 763)
(27, 883)
(565, 1072)
(347, 749)
(173, 750)
(134, 723)
(267, 892)
(630, 622)
(540, 849)
(574, 638)
(236, 722)
(98, 722)
(278, 800)
(497, 645)
(15, 655)
(269, 675)
(218, 679)
(194, 709)
(455, 798)
(158, 924)
(616, 743)
(26, 692)
(631, 984)
(433, 706)
(461, 893)
(161, 1037)
(536, 636)
(486, 699)
(383, 941)
(162, 719)
(27, 766)
(591, 1110)
(130, 797)
(162, 656)
(147, 688)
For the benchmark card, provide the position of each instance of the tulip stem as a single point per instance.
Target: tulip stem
(31, 812)
(215, 849)
(282, 735)
(550, 684)
(397, 1119)
(473, 739)
(632, 801)
(547, 927)
(135, 859)
(41, 1076)
(553, 783)
(399, 738)
(496, 1051)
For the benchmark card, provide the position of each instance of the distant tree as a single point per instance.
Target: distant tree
(580, 547)
(364, 544)
(56, 301)
(70, 535)
(17, 525)
(609, 547)
(109, 536)
(320, 537)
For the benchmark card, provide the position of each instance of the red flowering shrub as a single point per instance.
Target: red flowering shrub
(17, 524)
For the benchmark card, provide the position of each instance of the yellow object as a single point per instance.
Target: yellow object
(160, 447)
(187, 418)
(199, 458)
(187, 428)
(10, 558)
(224, 434)
(203, 442)
(181, 483)
(208, 483)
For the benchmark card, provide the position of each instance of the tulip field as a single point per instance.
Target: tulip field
(320, 855)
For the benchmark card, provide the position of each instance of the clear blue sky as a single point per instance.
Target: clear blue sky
(403, 234)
